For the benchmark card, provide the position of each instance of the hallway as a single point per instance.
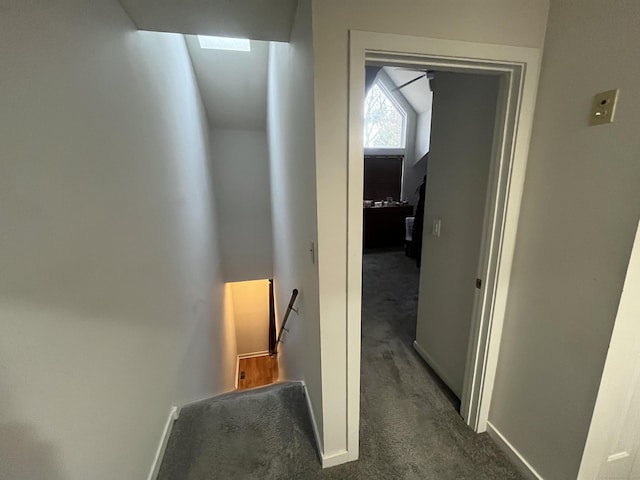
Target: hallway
(409, 427)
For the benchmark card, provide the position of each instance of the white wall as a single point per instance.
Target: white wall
(233, 84)
(579, 213)
(464, 107)
(240, 166)
(110, 292)
(290, 127)
(416, 165)
(508, 22)
(423, 134)
(251, 315)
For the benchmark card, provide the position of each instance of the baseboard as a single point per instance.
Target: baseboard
(157, 460)
(261, 353)
(435, 366)
(237, 370)
(514, 456)
(335, 459)
(330, 460)
(316, 434)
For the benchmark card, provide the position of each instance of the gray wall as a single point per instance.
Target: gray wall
(290, 128)
(579, 214)
(110, 291)
(240, 166)
(464, 108)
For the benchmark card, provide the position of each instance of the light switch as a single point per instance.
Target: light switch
(604, 107)
(436, 228)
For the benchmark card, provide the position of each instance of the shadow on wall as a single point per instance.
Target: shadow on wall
(25, 456)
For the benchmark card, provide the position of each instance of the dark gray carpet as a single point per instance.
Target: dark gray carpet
(409, 426)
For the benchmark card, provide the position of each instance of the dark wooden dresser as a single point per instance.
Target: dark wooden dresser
(384, 226)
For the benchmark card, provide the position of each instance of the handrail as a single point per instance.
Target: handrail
(272, 320)
(294, 295)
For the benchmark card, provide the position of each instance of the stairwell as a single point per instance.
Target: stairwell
(264, 433)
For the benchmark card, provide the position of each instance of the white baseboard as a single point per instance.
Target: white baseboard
(334, 459)
(157, 460)
(237, 370)
(330, 460)
(261, 353)
(516, 458)
(436, 367)
(313, 420)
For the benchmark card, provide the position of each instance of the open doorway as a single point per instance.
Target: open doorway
(516, 68)
(427, 159)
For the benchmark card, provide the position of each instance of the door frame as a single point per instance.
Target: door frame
(519, 70)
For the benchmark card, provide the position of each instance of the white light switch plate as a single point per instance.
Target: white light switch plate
(436, 227)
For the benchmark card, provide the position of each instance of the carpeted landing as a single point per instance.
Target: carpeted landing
(409, 427)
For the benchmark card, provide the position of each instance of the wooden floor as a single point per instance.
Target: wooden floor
(257, 372)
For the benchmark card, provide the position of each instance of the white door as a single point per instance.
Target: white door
(612, 450)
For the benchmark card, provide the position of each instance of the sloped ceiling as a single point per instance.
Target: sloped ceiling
(254, 19)
(233, 84)
(418, 94)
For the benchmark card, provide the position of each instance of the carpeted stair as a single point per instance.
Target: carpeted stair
(409, 424)
(264, 433)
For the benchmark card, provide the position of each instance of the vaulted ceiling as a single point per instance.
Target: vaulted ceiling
(233, 84)
(418, 93)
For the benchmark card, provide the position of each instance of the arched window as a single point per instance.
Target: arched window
(384, 119)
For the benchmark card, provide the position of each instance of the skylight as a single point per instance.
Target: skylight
(224, 43)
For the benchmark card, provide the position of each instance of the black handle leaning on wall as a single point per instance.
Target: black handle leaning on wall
(294, 295)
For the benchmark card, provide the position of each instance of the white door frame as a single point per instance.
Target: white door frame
(519, 68)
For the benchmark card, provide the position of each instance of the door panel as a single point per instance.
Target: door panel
(464, 109)
(613, 442)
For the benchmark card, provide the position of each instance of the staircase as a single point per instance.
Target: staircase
(264, 433)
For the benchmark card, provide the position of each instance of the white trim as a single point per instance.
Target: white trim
(164, 439)
(514, 456)
(316, 432)
(520, 66)
(262, 353)
(237, 370)
(434, 365)
(334, 459)
(392, 152)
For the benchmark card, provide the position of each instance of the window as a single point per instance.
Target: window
(384, 120)
(224, 43)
